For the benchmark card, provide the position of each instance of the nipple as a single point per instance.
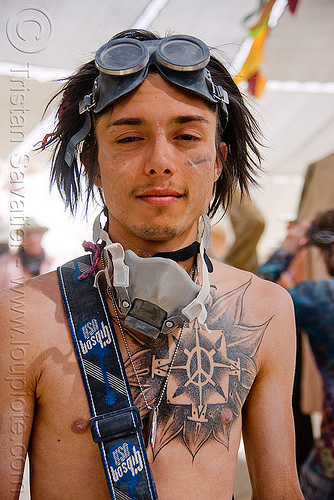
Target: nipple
(226, 416)
(80, 425)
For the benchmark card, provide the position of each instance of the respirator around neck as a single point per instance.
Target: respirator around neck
(155, 294)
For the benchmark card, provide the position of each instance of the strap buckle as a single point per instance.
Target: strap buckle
(115, 424)
(86, 104)
(216, 90)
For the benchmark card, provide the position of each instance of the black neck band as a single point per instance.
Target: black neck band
(182, 254)
(185, 254)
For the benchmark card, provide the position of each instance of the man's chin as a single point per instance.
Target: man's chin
(158, 233)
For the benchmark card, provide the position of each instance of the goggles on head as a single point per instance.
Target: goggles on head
(124, 63)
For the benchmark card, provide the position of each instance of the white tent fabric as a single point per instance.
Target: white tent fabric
(49, 40)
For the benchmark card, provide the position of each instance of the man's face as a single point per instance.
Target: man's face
(32, 242)
(157, 165)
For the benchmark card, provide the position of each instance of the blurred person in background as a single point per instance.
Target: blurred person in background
(247, 224)
(29, 260)
(3, 238)
(314, 311)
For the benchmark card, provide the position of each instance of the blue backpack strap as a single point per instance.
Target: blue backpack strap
(115, 423)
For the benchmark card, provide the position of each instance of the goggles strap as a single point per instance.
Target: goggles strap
(216, 90)
(76, 139)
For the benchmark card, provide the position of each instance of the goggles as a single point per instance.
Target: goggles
(320, 237)
(124, 63)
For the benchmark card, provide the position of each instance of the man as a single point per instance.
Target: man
(208, 350)
(314, 307)
(30, 260)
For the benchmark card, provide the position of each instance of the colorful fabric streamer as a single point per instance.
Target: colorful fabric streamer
(256, 38)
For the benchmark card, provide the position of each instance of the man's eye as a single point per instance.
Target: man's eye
(129, 139)
(188, 137)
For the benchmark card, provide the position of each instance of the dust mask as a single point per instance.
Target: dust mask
(155, 294)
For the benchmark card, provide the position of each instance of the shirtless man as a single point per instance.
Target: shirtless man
(157, 151)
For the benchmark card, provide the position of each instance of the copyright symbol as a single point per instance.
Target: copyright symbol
(29, 30)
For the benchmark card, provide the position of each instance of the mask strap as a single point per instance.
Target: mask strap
(120, 271)
(206, 238)
(191, 311)
(204, 231)
(113, 267)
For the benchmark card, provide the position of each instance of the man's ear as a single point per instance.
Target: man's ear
(219, 164)
(86, 159)
(97, 179)
(223, 149)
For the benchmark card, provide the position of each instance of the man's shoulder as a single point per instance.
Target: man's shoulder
(35, 291)
(229, 274)
(34, 311)
(258, 292)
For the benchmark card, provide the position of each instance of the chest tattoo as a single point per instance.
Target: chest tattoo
(211, 376)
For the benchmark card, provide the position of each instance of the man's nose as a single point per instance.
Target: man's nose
(160, 160)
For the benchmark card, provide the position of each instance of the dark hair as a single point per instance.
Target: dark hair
(321, 234)
(241, 135)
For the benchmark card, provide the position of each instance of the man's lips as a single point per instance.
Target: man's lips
(160, 197)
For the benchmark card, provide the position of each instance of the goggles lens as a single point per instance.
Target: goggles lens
(183, 53)
(125, 56)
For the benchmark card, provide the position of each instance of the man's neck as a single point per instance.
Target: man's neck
(184, 256)
(149, 248)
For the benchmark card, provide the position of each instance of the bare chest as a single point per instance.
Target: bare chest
(197, 383)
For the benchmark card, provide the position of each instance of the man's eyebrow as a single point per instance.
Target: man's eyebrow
(138, 121)
(190, 118)
(125, 121)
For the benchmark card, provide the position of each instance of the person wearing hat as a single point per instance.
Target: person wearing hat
(30, 260)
